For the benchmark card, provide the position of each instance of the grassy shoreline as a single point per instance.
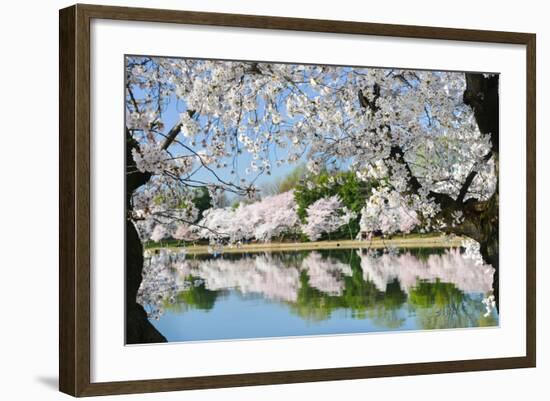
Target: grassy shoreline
(410, 241)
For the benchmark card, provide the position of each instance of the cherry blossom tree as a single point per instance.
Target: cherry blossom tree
(387, 212)
(431, 137)
(325, 216)
(263, 220)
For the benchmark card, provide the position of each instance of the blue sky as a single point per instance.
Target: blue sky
(171, 116)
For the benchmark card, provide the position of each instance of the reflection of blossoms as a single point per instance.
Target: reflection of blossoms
(472, 251)
(159, 281)
(262, 274)
(490, 304)
(325, 274)
(166, 273)
(449, 267)
(278, 277)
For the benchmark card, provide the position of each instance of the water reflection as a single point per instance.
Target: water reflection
(313, 292)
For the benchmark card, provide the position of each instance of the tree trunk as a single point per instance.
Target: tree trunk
(139, 329)
(489, 246)
(489, 252)
(482, 96)
(483, 227)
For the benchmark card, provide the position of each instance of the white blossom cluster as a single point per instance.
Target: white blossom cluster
(387, 212)
(152, 159)
(268, 218)
(325, 216)
(164, 211)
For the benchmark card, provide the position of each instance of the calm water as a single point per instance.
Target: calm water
(234, 296)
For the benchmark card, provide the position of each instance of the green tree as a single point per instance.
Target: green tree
(202, 200)
(287, 183)
(196, 297)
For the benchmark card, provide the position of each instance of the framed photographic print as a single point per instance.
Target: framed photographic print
(251, 200)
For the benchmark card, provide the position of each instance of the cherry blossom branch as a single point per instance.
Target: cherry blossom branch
(191, 223)
(173, 133)
(469, 179)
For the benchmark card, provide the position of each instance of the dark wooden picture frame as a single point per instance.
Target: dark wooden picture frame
(74, 202)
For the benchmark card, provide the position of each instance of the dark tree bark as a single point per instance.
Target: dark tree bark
(482, 96)
(481, 224)
(138, 328)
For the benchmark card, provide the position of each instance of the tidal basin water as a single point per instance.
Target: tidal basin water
(258, 295)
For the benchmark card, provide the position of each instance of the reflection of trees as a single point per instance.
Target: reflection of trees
(170, 276)
(325, 273)
(441, 305)
(196, 297)
(317, 283)
(387, 312)
(360, 297)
